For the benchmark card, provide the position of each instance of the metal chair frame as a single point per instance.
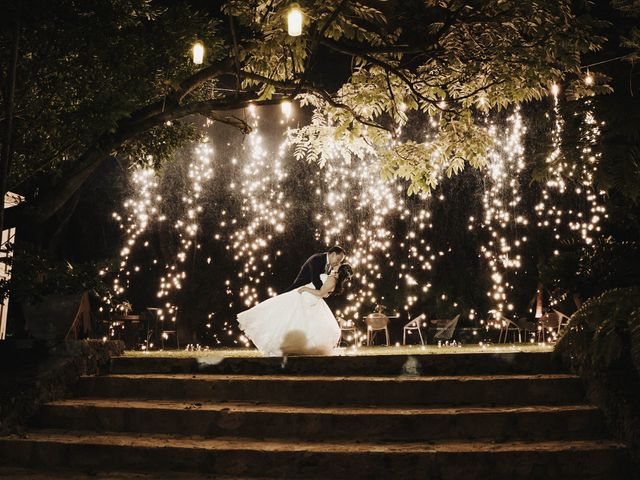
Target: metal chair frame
(509, 326)
(413, 324)
(375, 323)
(347, 326)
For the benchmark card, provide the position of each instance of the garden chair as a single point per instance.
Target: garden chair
(347, 329)
(376, 322)
(507, 326)
(446, 331)
(413, 325)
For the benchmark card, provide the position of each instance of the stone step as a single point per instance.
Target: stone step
(16, 473)
(419, 364)
(325, 423)
(550, 389)
(580, 459)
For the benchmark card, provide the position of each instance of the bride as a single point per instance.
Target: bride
(297, 322)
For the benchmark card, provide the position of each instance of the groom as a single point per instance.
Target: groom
(315, 265)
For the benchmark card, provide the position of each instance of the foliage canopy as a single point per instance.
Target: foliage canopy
(113, 79)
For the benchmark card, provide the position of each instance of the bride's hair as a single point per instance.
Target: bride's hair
(345, 272)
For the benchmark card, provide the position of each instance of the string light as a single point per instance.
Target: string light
(140, 210)
(286, 108)
(385, 232)
(504, 217)
(359, 210)
(263, 210)
(199, 172)
(588, 79)
(571, 184)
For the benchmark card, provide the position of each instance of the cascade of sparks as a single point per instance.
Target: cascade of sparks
(262, 217)
(199, 173)
(141, 208)
(263, 210)
(572, 186)
(572, 182)
(504, 219)
(359, 210)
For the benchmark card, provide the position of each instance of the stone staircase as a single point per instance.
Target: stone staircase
(450, 416)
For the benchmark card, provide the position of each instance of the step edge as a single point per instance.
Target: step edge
(333, 378)
(239, 407)
(69, 437)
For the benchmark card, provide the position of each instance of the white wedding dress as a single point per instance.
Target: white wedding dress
(292, 323)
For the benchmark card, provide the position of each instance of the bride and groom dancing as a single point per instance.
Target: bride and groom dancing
(298, 321)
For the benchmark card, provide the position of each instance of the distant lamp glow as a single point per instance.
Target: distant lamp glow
(555, 89)
(294, 21)
(285, 106)
(588, 79)
(198, 53)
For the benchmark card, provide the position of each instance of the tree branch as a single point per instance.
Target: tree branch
(337, 47)
(318, 92)
(186, 87)
(107, 144)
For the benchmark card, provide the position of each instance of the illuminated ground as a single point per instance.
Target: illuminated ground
(400, 350)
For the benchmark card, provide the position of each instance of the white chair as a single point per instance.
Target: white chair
(548, 327)
(413, 325)
(563, 321)
(506, 327)
(375, 323)
(446, 331)
(527, 327)
(347, 328)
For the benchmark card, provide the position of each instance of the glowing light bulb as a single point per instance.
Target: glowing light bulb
(286, 108)
(198, 53)
(294, 21)
(588, 79)
(555, 89)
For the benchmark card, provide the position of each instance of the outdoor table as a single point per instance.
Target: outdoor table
(129, 337)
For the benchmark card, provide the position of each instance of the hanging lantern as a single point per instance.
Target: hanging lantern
(294, 21)
(198, 53)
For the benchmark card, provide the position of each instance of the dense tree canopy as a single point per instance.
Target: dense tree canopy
(97, 80)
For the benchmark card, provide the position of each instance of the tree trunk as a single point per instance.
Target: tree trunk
(539, 300)
(9, 99)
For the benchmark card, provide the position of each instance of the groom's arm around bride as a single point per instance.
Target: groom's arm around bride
(310, 272)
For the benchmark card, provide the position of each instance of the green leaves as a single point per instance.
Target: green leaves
(604, 329)
(372, 72)
(88, 66)
(475, 60)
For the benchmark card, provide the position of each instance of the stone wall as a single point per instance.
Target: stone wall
(32, 373)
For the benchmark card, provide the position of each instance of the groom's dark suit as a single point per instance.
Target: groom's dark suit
(310, 272)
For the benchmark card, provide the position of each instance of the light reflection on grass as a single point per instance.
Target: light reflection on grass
(362, 351)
